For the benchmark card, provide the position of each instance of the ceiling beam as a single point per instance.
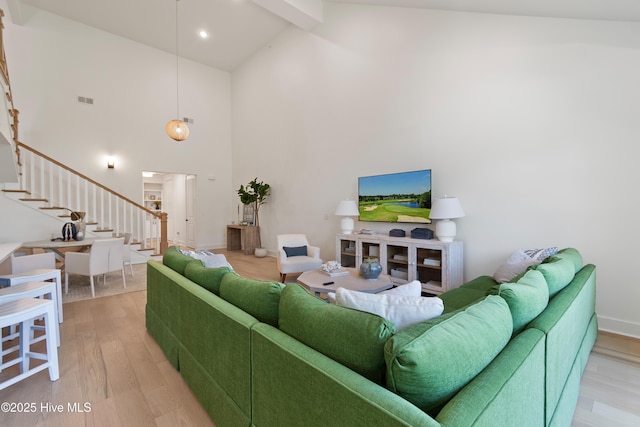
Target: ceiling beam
(305, 14)
(15, 11)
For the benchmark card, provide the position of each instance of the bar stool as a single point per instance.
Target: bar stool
(24, 311)
(37, 275)
(30, 290)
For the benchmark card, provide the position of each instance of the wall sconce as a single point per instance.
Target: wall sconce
(111, 164)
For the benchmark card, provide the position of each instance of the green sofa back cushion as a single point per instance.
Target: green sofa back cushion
(351, 337)
(527, 298)
(428, 363)
(572, 255)
(558, 273)
(208, 278)
(176, 260)
(259, 298)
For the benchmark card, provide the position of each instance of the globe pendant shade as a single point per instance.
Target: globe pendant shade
(177, 130)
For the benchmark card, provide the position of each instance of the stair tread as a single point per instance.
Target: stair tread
(33, 200)
(16, 191)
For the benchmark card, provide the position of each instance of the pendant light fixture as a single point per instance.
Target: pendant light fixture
(177, 129)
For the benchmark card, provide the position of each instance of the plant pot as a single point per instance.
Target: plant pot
(260, 252)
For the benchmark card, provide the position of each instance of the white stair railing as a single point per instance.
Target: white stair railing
(59, 186)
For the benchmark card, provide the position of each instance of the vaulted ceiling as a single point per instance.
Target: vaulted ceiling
(238, 28)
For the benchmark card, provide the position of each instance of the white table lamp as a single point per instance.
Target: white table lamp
(347, 209)
(446, 209)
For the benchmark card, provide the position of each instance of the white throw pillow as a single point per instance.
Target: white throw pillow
(402, 310)
(516, 264)
(411, 289)
(209, 259)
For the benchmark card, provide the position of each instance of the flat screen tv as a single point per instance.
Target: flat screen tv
(395, 197)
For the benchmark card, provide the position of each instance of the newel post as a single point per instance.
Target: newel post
(164, 243)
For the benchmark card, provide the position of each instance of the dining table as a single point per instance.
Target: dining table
(59, 247)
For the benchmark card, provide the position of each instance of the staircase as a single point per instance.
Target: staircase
(55, 190)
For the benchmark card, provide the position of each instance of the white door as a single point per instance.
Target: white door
(190, 197)
(169, 206)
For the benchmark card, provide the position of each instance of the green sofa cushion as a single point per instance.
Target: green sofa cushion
(208, 278)
(458, 298)
(558, 273)
(430, 362)
(259, 298)
(572, 255)
(351, 337)
(176, 260)
(527, 298)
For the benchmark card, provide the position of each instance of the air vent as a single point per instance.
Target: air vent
(187, 120)
(85, 100)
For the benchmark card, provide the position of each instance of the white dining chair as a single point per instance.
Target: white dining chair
(105, 257)
(126, 253)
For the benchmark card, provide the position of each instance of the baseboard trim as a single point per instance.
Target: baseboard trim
(618, 326)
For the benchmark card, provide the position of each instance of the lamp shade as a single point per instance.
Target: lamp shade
(178, 130)
(347, 208)
(446, 208)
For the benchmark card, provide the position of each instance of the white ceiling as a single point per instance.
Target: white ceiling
(238, 28)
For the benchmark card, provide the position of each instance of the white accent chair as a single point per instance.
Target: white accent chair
(296, 263)
(105, 256)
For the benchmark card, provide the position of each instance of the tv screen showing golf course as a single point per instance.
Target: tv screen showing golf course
(395, 197)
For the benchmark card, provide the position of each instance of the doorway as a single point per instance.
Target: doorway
(174, 194)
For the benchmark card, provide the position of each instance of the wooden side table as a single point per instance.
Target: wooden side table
(243, 237)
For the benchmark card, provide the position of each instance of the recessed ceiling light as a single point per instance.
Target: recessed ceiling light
(203, 34)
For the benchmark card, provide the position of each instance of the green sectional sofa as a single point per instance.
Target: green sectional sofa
(259, 353)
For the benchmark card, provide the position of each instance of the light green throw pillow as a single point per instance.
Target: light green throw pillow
(572, 255)
(428, 363)
(558, 273)
(351, 337)
(259, 298)
(527, 298)
(208, 278)
(175, 260)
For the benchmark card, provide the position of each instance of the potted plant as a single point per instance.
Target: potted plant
(255, 195)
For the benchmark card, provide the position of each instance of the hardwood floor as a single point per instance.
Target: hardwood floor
(109, 362)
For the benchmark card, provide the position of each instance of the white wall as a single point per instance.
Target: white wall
(531, 122)
(53, 60)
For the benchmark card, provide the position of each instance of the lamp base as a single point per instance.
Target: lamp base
(347, 224)
(446, 230)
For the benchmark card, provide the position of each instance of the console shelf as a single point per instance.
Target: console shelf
(437, 265)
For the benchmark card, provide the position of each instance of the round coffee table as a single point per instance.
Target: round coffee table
(319, 282)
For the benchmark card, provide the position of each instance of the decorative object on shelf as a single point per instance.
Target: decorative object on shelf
(370, 268)
(177, 129)
(422, 233)
(397, 232)
(152, 197)
(446, 209)
(347, 209)
(260, 252)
